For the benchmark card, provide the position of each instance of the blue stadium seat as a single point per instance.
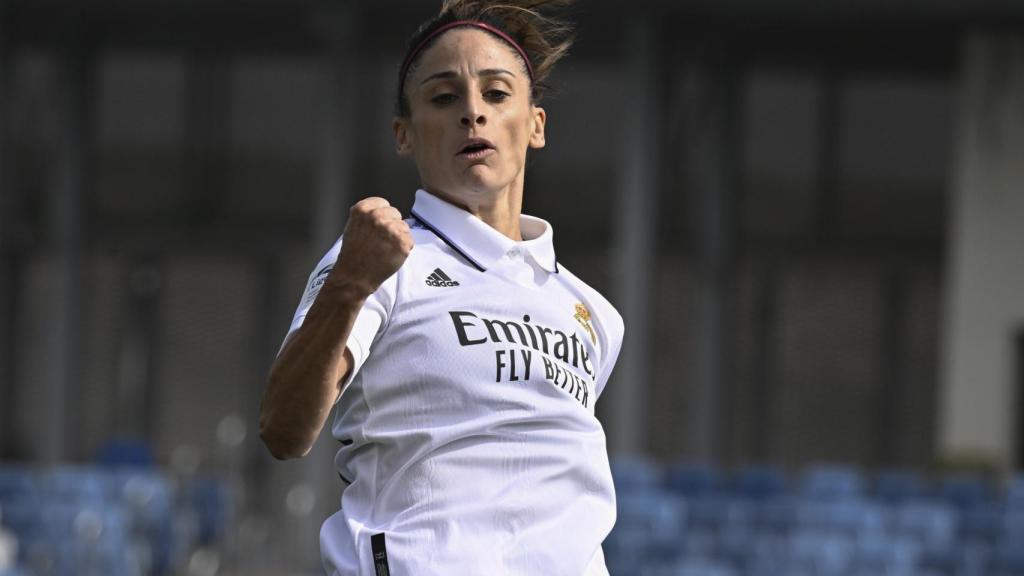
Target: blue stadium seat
(78, 484)
(713, 511)
(1012, 525)
(753, 526)
(1015, 491)
(212, 499)
(736, 544)
(121, 452)
(1009, 559)
(818, 553)
(776, 515)
(692, 567)
(635, 474)
(24, 519)
(965, 490)
(739, 512)
(651, 511)
(769, 553)
(106, 557)
(831, 482)
(760, 482)
(843, 517)
(91, 539)
(693, 479)
(626, 551)
(881, 553)
(896, 486)
(712, 518)
(653, 521)
(982, 522)
(699, 542)
(93, 522)
(115, 522)
(940, 561)
(973, 558)
(148, 495)
(18, 483)
(931, 524)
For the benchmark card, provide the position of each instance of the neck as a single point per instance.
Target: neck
(499, 209)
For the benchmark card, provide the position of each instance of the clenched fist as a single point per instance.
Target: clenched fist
(377, 242)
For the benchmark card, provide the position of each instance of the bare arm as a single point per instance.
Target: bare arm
(306, 378)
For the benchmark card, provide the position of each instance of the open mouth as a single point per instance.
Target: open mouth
(476, 148)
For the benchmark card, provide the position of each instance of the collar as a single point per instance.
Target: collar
(476, 241)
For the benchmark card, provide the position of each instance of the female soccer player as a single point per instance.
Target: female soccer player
(464, 360)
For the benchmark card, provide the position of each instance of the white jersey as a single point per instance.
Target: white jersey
(469, 442)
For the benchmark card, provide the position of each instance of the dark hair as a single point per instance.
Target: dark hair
(543, 37)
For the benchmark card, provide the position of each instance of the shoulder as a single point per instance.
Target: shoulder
(319, 274)
(601, 308)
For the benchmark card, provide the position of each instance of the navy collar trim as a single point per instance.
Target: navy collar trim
(448, 241)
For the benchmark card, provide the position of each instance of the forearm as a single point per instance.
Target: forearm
(305, 379)
(307, 375)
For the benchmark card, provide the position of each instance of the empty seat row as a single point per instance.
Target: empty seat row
(819, 482)
(112, 521)
(694, 519)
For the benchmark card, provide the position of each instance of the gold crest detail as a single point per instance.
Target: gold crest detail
(583, 317)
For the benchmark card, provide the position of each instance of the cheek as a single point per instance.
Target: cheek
(428, 137)
(517, 125)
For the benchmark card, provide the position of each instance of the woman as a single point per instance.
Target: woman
(465, 369)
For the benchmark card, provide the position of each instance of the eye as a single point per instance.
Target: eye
(496, 95)
(442, 99)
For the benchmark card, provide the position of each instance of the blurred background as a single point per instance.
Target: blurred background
(810, 214)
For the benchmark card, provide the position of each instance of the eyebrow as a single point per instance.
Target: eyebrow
(447, 74)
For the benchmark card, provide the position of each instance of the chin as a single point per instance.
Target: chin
(480, 184)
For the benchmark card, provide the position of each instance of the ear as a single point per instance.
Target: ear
(538, 117)
(403, 140)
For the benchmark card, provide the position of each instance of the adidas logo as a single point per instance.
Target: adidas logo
(439, 278)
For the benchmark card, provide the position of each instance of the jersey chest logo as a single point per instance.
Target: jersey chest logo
(524, 347)
(438, 278)
(583, 317)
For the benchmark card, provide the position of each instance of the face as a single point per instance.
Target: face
(471, 118)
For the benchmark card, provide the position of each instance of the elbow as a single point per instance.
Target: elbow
(281, 445)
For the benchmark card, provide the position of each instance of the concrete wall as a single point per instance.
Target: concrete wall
(985, 302)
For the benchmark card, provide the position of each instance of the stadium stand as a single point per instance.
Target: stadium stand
(685, 519)
(108, 521)
(827, 520)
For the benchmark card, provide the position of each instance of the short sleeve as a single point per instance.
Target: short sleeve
(372, 318)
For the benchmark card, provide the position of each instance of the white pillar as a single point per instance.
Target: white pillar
(985, 295)
(634, 242)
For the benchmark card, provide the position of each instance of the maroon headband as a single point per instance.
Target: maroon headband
(476, 23)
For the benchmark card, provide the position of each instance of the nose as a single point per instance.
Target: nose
(473, 119)
(473, 114)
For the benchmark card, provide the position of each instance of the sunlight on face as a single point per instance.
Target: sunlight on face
(471, 117)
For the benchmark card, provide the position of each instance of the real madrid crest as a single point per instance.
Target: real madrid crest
(583, 317)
